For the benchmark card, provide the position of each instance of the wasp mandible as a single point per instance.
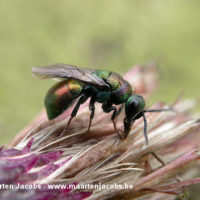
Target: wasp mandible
(102, 86)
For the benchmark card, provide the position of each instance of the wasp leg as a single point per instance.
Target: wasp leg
(120, 109)
(92, 108)
(108, 108)
(178, 179)
(83, 98)
(119, 112)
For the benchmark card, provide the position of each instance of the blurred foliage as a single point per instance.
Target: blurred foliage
(113, 35)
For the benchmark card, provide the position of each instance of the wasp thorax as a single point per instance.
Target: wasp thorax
(134, 105)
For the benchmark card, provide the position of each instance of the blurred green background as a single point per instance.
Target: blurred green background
(114, 35)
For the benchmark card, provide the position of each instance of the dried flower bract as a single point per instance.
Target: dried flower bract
(101, 158)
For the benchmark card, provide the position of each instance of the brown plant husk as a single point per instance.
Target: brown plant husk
(100, 157)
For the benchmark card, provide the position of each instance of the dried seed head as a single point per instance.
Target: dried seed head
(99, 157)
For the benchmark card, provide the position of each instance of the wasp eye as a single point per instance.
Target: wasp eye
(134, 105)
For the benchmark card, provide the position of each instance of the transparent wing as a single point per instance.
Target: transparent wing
(63, 71)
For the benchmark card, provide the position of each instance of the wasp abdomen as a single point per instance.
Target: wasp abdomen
(61, 96)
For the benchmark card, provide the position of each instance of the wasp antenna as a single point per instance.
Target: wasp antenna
(145, 128)
(161, 110)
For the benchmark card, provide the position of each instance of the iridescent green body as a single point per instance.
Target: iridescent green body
(61, 95)
(107, 88)
(120, 89)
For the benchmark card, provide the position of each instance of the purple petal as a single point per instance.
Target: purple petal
(11, 169)
(10, 152)
(27, 148)
(16, 152)
(47, 158)
(30, 177)
(26, 162)
(8, 176)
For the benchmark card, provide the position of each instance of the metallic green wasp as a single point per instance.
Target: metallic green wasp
(105, 87)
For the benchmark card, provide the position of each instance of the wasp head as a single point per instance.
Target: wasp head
(133, 110)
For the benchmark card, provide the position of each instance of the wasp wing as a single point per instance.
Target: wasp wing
(63, 71)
